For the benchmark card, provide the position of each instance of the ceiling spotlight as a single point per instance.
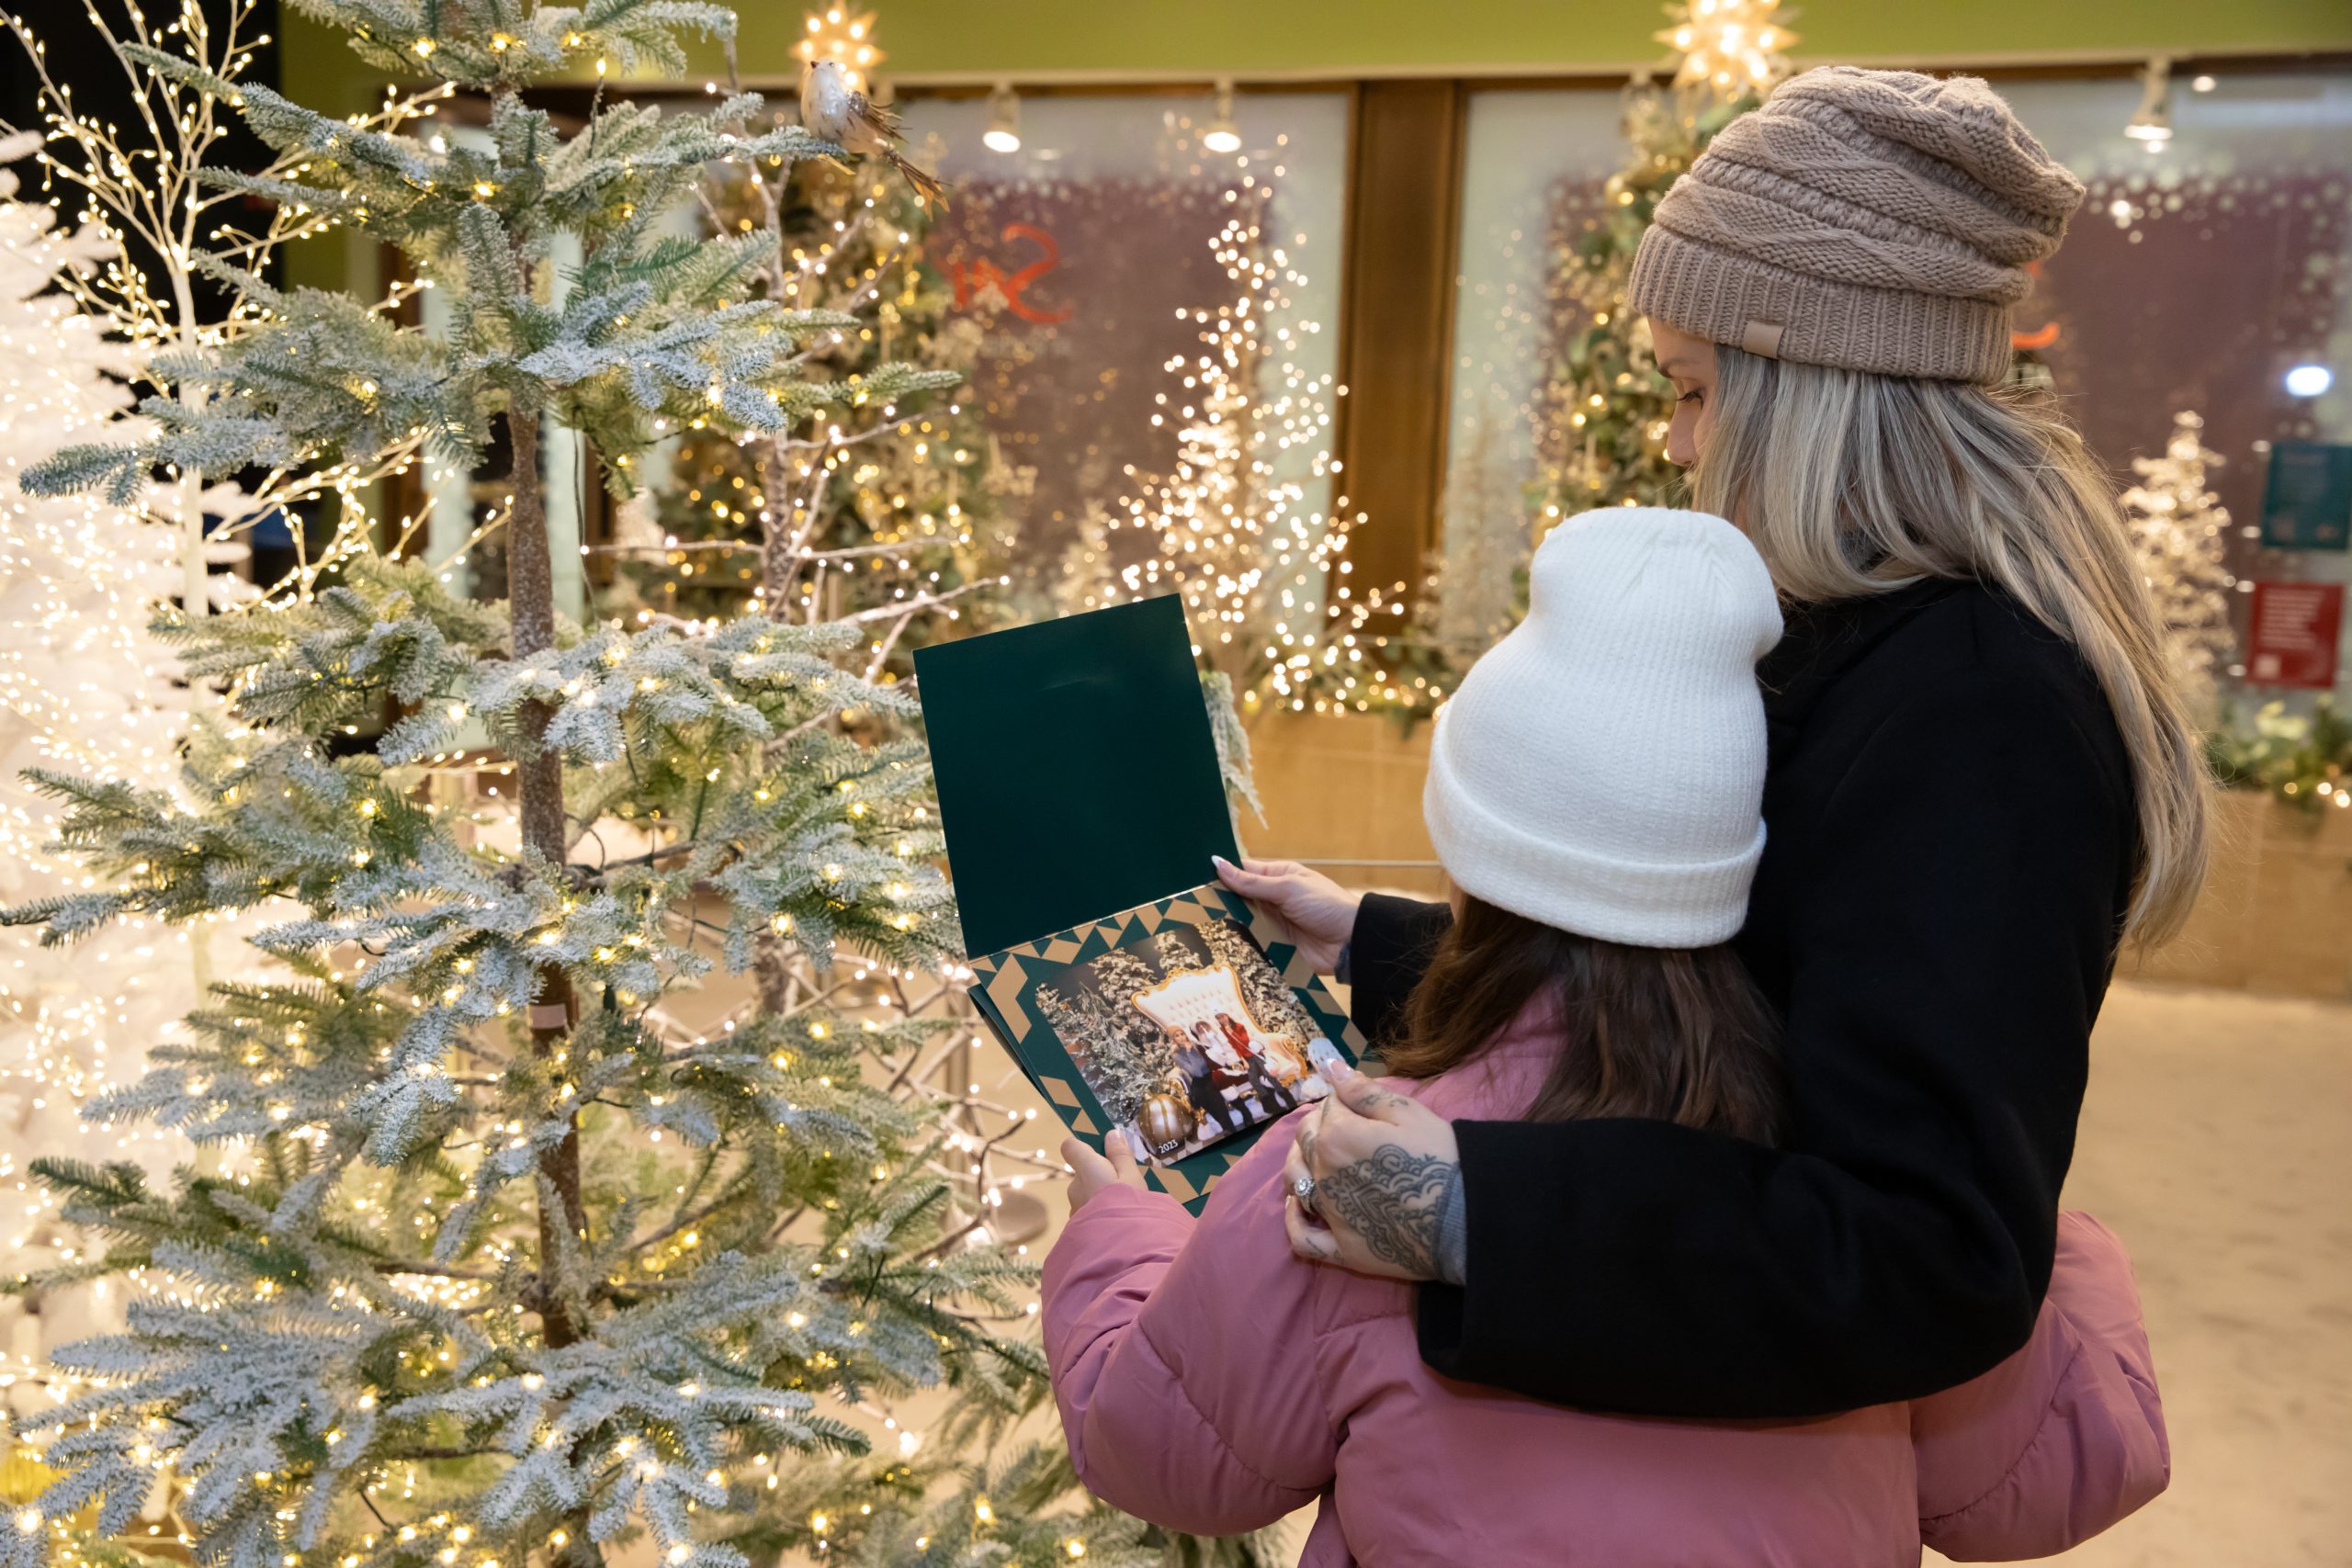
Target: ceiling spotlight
(1003, 134)
(1221, 135)
(2153, 124)
(2309, 380)
(2202, 83)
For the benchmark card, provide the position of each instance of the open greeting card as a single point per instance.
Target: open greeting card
(1080, 793)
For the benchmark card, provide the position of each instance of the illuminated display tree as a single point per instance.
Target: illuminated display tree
(84, 687)
(1236, 525)
(2180, 534)
(1606, 405)
(492, 1258)
(1602, 411)
(904, 509)
(97, 285)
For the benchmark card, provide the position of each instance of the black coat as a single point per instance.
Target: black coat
(1951, 844)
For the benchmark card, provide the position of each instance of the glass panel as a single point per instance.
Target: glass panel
(2195, 278)
(2198, 275)
(1100, 235)
(1533, 167)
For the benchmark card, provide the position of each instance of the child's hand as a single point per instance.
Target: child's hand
(1092, 1172)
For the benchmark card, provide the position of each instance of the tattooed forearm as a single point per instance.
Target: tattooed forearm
(1393, 1201)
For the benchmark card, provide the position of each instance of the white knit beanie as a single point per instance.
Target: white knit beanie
(1602, 769)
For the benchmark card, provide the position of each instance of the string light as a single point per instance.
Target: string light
(1731, 45)
(1003, 132)
(87, 691)
(843, 37)
(1234, 525)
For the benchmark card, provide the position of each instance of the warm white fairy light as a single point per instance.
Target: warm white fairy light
(926, 1070)
(1237, 527)
(2179, 534)
(844, 37)
(84, 690)
(146, 180)
(1732, 46)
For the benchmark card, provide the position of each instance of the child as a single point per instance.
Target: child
(1210, 1381)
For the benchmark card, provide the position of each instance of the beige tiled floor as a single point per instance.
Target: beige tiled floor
(2218, 1142)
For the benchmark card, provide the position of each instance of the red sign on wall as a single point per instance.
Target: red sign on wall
(2293, 636)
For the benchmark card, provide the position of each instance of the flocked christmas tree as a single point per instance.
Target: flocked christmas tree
(1606, 405)
(2180, 534)
(1240, 525)
(904, 506)
(1601, 416)
(84, 687)
(496, 1263)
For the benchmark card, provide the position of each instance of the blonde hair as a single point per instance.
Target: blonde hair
(1853, 483)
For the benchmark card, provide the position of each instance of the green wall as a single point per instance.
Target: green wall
(1109, 40)
(1341, 37)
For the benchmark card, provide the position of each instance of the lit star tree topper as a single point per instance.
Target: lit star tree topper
(845, 36)
(1729, 46)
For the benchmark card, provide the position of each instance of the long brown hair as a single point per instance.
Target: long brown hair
(1674, 1034)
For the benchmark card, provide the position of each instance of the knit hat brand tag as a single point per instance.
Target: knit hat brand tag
(1762, 338)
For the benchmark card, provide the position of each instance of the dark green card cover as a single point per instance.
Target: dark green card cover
(1076, 770)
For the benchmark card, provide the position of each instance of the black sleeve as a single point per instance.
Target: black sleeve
(1954, 935)
(1387, 953)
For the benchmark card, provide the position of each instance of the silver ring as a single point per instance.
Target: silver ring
(1303, 1189)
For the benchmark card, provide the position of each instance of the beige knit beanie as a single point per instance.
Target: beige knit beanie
(1877, 220)
(1601, 769)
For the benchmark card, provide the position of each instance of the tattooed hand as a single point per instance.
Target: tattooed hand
(1383, 1165)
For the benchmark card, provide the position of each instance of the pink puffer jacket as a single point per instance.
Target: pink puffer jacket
(1211, 1382)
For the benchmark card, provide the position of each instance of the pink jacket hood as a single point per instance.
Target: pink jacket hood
(1210, 1381)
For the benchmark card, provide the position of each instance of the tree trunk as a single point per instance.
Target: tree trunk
(530, 588)
(771, 955)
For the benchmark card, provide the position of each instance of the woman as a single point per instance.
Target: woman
(1196, 1065)
(1255, 1056)
(1208, 1380)
(1981, 781)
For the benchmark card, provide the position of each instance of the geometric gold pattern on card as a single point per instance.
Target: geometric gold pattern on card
(1010, 978)
(1005, 992)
